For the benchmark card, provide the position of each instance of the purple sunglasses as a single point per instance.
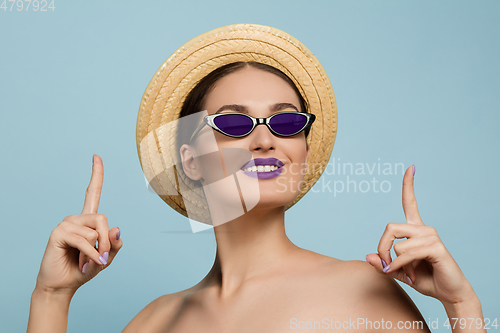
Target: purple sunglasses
(237, 125)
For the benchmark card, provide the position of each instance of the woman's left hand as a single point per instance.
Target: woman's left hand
(422, 257)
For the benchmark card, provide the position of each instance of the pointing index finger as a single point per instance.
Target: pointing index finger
(93, 193)
(409, 201)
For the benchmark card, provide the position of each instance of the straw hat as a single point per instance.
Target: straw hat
(164, 96)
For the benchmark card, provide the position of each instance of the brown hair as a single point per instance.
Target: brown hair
(195, 100)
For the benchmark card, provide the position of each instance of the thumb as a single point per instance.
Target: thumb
(116, 243)
(375, 260)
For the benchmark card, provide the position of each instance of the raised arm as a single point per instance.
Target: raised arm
(424, 263)
(72, 259)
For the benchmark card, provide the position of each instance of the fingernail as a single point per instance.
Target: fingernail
(414, 169)
(383, 263)
(85, 267)
(118, 234)
(386, 268)
(105, 256)
(93, 159)
(408, 280)
(102, 260)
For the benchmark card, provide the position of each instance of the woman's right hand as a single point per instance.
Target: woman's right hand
(71, 257)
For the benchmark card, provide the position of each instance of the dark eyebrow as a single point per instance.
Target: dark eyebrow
(244, 109)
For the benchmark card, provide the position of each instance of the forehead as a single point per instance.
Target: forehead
(253, 87)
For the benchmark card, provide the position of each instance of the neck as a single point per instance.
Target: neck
(249, 246)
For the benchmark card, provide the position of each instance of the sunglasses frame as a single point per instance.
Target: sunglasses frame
(210, 121)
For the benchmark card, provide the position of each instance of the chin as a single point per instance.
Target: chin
(275, 199)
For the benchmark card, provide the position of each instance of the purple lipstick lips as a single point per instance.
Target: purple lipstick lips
(255, 163)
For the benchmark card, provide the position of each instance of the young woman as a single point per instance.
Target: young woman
(260, 280)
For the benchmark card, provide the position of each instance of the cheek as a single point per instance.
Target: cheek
(219, 157)
(302, 157)
(298, 153)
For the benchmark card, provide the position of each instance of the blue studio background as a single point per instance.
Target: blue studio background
(416, 82)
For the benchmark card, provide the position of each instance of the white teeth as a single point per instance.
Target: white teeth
(261, 168)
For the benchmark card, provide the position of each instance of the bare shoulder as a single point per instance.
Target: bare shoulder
(377, 296)
(156, 313)
(355, 289)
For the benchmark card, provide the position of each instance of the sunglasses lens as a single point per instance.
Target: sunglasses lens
(234, 124)
(288, 123)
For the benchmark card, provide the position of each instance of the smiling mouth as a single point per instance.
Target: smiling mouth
(262, 165)
(261, 168)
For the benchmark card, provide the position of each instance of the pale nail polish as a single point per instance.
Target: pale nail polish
(105, 256)
(118, 234)
(85, 267)
(408, 280)
(386, 268)
(383, 263)
(413, 169)
(102, 260)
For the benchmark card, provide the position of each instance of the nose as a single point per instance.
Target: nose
(261, 138)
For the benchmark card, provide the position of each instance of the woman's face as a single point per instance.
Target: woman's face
(260, 94)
